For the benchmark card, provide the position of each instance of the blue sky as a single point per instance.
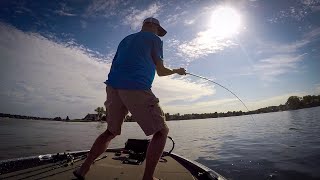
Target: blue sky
(56, 55)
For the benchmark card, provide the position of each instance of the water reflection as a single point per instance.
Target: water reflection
(279, 145)
(101, 126)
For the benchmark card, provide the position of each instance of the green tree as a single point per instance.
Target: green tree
(100, 111)
(307, 100)
(293, 102)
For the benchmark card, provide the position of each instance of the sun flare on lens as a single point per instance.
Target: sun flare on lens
(225, 22)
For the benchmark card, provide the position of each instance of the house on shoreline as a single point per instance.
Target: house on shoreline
(91, 117)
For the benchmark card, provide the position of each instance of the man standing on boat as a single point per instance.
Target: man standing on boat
(138, 57)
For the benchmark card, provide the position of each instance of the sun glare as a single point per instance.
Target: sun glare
(225, 22)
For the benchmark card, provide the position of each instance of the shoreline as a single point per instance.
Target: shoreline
(81, 120)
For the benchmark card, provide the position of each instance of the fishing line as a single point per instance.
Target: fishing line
(225, 89)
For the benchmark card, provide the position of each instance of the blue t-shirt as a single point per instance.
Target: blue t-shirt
(133, 66)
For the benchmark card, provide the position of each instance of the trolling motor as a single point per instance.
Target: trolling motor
(137, 150)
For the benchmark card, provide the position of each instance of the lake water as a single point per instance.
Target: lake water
(282, 145)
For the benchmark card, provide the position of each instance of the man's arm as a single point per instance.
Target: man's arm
(163, 71)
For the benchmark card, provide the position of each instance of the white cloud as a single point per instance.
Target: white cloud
(189, 21)
(104, 8)
(209, 106)
(312, 35)
(64, 10)
(135, 17)
(277, 65)
(83, 24)
(317, 89)
(45, 78)
(170, 89)
(280, 58)
(277, 48)
(210, 39)
(63, 13)
(175, 18)
(296, 10)
(232, 104)
(40, 77)
(314, 5)
(22, 9)
(206, 42)
(272, 101)
(109, 57)
(130, 14)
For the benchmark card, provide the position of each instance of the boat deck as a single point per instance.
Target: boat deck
(108, 167)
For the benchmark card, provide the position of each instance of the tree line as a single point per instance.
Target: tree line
(293, 103)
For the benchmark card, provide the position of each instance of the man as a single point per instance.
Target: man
(129, 82)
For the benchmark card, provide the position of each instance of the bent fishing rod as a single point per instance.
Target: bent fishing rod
(201, 77)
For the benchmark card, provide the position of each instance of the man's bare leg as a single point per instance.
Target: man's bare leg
(154, 152)
(98, 147)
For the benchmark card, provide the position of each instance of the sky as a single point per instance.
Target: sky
(55, 55)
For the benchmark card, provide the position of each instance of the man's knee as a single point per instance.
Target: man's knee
(108, 135)
(164, 131)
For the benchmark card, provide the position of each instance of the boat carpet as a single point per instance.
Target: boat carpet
(109, 167)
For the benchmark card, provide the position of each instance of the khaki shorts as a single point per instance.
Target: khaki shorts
(142, 104)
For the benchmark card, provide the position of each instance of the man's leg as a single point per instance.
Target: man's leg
(98, 147)
(154, 152)
(145, 109)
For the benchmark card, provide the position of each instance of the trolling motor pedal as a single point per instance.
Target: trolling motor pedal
(137, 149)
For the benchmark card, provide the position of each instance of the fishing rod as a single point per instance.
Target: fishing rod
(223, 88)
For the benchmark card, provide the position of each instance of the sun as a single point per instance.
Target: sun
(225, 22)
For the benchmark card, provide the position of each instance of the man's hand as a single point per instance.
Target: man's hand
(180, 71)
(163, 71)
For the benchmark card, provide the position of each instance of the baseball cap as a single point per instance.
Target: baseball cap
(161, 31)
